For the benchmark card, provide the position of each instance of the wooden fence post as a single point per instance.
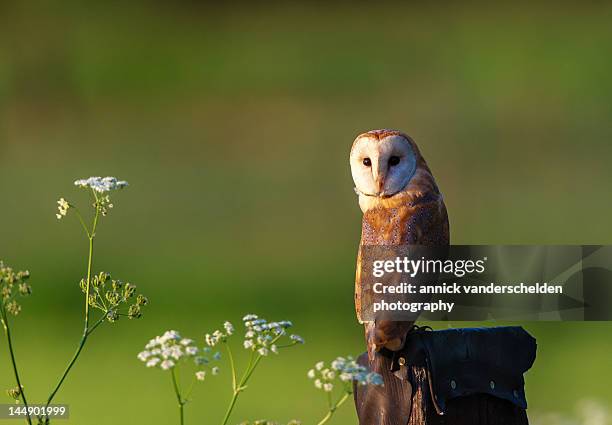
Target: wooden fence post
(408, 396)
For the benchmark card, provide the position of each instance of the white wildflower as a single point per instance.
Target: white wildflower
(200, 375)
(210, 340)
(297, 339)
(62, 207)
(215, 370)
(169, 335)
(342, 370)
(229, 328)
(338, 364)
(176, 352)
(167, 364)
(374, 379)
(101, 184)
(168, 350)
(153, 362)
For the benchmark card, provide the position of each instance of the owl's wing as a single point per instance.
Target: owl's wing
(358, 292)
(424, 221)
(427, 224)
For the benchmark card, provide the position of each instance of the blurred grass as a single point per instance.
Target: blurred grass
(233, 126)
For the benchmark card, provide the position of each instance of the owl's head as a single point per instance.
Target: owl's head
(382, 162)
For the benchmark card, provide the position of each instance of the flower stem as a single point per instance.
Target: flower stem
(241, 385)
(177, 391)
(236, 388)
(190, 390)
(74, 358)
(333, 408)
(86, 329)
(250, 371)
(89, 264)
(7, 332)
(80, 217)
(232, 365)
(70, 364)
(228, 412)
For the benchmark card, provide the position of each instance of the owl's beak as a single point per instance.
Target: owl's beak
(380, 185)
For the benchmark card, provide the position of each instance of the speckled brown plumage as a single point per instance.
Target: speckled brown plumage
(416, 215)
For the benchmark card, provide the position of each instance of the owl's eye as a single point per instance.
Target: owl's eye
(367, 162)
(394, 160)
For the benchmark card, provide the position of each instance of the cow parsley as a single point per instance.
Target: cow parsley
(341, 373)
(13, 284)
(111, 297)
(101, 184)
(170, 352)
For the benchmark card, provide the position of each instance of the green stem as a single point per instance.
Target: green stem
(250, 371)
(232, 365)
(177, 391)
(241, 386)
(91, 235)
(333, 409)
(190, 390)
(237, 388)
(98, 323)
(80, 217)
(253, 362)
(86, 330)
(7, 332)
(74, 358)
(230, 407)
(89, 264)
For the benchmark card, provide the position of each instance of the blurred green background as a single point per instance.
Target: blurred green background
(233, 126)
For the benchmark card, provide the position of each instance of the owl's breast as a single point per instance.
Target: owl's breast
(416, 223)
(386, 226)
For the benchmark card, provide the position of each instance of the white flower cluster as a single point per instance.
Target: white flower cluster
(262, 336)
(167, 350)
(219, 336)
(343, 370)
(101, 184)
(62, 208)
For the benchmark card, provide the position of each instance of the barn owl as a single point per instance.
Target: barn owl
(401, 205)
